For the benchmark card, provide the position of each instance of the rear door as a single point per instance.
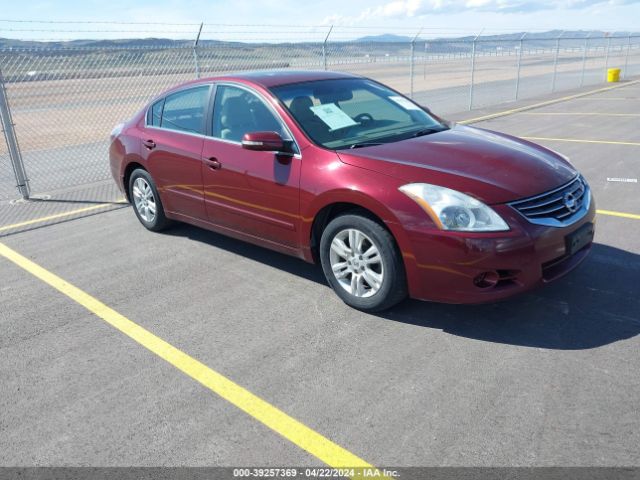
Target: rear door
(255, 193)
(172, 146)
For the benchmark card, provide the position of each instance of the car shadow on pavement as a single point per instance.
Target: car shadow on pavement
(595, 305)
(263, 255)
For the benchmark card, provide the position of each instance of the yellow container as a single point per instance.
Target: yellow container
(613, 75)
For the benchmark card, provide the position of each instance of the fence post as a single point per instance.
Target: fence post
(412, 62)
(473, 68)
(22, 182)
(324, 48)
(584, 58)
(424, 71)
(195, 51)
(626, 58)
(606, 58)
(519, 63)
(555, 63)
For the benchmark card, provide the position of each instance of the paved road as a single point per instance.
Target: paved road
(549, 378)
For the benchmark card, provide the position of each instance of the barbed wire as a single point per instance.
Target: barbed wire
(95, 22)
(91, 31)
(297, 26)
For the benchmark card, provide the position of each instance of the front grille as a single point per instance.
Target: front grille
(556, 206)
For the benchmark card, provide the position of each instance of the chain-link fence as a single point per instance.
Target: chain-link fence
(66, 98)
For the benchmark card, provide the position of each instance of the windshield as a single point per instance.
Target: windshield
(354, 112)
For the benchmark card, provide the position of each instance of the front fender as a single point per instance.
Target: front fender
(364, 189)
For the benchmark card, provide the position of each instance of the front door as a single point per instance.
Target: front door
(254, 193)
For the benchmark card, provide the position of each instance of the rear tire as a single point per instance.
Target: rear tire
(146, 201)
(362, 263)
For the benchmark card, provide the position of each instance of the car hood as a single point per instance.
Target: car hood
(490, 166)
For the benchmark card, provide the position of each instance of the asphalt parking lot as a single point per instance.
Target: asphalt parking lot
(546, 379)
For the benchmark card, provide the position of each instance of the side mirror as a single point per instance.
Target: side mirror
(264, 142)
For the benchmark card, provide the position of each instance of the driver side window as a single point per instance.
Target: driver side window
(237, 111)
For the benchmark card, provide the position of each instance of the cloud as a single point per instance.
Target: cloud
(417, 8)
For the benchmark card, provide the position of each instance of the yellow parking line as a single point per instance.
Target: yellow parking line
(606, 98)
(618, 214)
(290, 428)
(584, 114)
(57, 215)
(579, 140)
(543, 104)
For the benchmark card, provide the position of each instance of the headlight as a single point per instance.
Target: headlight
(453, 210)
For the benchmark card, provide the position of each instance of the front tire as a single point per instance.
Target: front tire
(146, 201)
(362, 263)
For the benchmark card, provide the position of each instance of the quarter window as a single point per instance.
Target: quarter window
(185, 111)
(237, 111)
(154, 115)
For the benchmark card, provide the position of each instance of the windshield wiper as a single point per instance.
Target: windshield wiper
(429, 131)
(395, 138)
(364, 144)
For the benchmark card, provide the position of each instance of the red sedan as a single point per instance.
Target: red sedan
(390, 199)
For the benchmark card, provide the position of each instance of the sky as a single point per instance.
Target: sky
(283, 19)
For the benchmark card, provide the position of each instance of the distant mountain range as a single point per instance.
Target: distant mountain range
(385, 38)
(548, 35)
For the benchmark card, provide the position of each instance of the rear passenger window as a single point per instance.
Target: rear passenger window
(155, 114)
(185, 110)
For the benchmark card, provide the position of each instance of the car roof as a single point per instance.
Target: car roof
(272, 78)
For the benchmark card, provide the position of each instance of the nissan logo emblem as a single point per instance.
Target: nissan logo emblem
(570, 202)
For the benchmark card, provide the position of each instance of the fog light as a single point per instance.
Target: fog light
(486, 279)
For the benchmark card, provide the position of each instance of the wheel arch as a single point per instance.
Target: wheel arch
(329, 206)
(128, 170)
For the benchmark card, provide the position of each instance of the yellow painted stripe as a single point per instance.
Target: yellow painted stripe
(618, 214)
(291, 429)
(56, 216)
(580, 140)
(607, 98)
(579, 114)
(543, 104)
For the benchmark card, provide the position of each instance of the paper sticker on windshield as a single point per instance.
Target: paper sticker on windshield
(331, 114)
(404, 103)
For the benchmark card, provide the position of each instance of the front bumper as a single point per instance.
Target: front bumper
(445, 266)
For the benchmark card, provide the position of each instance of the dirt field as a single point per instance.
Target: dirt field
(60, 113)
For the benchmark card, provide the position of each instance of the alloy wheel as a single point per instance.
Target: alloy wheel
(356, 263)
(144, 200)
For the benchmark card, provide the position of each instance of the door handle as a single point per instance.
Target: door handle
(213, 163)
(150, 144)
